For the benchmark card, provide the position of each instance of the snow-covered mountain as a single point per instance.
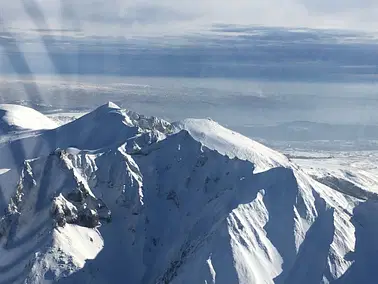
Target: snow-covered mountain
(116, 197)
(16, 117)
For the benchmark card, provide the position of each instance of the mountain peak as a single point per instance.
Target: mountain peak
(111, 105)
(105, 109)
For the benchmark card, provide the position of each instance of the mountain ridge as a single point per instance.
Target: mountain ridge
(162, 200)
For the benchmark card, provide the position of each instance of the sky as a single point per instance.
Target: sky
(120, 17)
(302, 40)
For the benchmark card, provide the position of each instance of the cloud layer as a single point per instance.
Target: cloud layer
(229, 51)
(172, 16)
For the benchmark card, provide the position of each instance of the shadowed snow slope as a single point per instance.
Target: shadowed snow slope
(15, 117)
(117, 197)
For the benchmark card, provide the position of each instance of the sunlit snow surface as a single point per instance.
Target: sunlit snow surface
(15, 117)
(356, 168)
(115, 195)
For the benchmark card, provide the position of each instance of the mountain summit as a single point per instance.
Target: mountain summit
(116, 197)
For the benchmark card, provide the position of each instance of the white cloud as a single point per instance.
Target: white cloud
(174, 16)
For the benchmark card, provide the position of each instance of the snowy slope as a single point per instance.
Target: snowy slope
(354, 173)
(232, 144)
(116, 197)
(15, 117)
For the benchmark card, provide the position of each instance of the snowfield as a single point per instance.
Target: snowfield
(117, 197)
(16, 117)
